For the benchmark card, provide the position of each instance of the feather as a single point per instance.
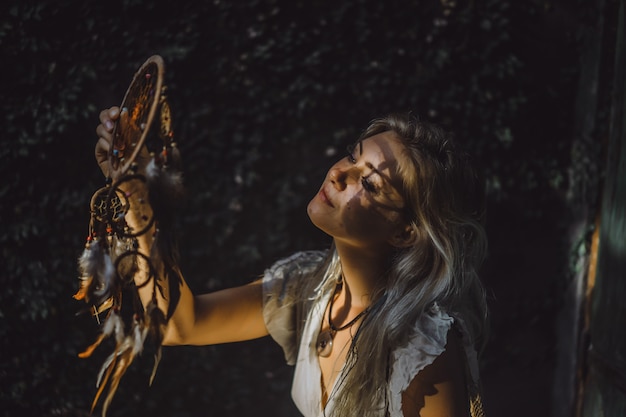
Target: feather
(112, 324)
(88, 269)
(81, 294)
(155, 324)
(87, 260)
(123, 362)
(87, 352)
(174, 160)
(105, 277)
(127, 266)
(140, 332)
(107, 373)
(157, 360)
(120, 360)
(105, 369)
(125, 259)
(118, 328)
(127, 348)
(111, 360)
(109, 370)
(165, 179)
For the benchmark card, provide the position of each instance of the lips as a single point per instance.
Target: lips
(325, 198)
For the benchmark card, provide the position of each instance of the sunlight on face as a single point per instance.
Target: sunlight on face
(361, 199)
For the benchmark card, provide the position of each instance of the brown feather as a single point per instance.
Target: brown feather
(81, 294)
(90, 349)
(103, 384)
(124, 361)
(112, 324)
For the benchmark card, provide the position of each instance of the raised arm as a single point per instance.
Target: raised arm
(224, 316)
(230, 315)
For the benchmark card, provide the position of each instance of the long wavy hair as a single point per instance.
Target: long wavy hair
(445, 199)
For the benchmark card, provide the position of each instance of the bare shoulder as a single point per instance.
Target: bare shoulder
(439, 390)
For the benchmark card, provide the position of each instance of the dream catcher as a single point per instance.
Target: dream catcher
(128, 272)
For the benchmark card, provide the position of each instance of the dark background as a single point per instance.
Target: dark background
(265, 97)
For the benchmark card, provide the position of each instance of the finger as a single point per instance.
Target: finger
(104, 133)
(114, 112)
(102, 150)
(108, 117)
(104, 116)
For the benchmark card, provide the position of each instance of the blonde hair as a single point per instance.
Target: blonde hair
(445, 199)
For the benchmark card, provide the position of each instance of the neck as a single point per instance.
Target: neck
(363, 269)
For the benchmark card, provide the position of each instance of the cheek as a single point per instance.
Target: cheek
(362, 215)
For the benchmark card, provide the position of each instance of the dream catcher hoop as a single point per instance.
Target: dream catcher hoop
(144, 100)
(128, 271)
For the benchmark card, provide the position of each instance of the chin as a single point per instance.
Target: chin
(313, 215)
(317, 219)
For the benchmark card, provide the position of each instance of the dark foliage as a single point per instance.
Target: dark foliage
(265, 95)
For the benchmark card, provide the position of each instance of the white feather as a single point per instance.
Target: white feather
(105, 275)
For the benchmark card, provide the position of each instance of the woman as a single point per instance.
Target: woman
(385, 322)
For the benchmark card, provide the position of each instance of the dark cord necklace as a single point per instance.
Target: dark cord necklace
(324, 342)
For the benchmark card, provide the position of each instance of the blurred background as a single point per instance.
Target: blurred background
(265, 96)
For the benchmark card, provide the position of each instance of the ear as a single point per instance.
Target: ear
(405, 237)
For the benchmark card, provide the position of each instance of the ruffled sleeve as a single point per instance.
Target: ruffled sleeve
(283, 305)
(428, 341)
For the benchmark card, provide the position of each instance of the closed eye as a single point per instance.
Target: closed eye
(367, 185)
(366, 182)
(350, 156)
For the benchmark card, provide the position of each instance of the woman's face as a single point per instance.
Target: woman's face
(360, 201)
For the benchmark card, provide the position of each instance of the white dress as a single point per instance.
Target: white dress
(295, 328)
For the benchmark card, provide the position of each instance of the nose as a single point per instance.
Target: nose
(338, 177)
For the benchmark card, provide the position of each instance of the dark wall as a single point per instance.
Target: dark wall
(265, 97)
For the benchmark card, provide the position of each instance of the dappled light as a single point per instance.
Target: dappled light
(262, 95)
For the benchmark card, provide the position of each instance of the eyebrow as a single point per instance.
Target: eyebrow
(374, 169)
(388, 184)
(371, 166)
(386, 178)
